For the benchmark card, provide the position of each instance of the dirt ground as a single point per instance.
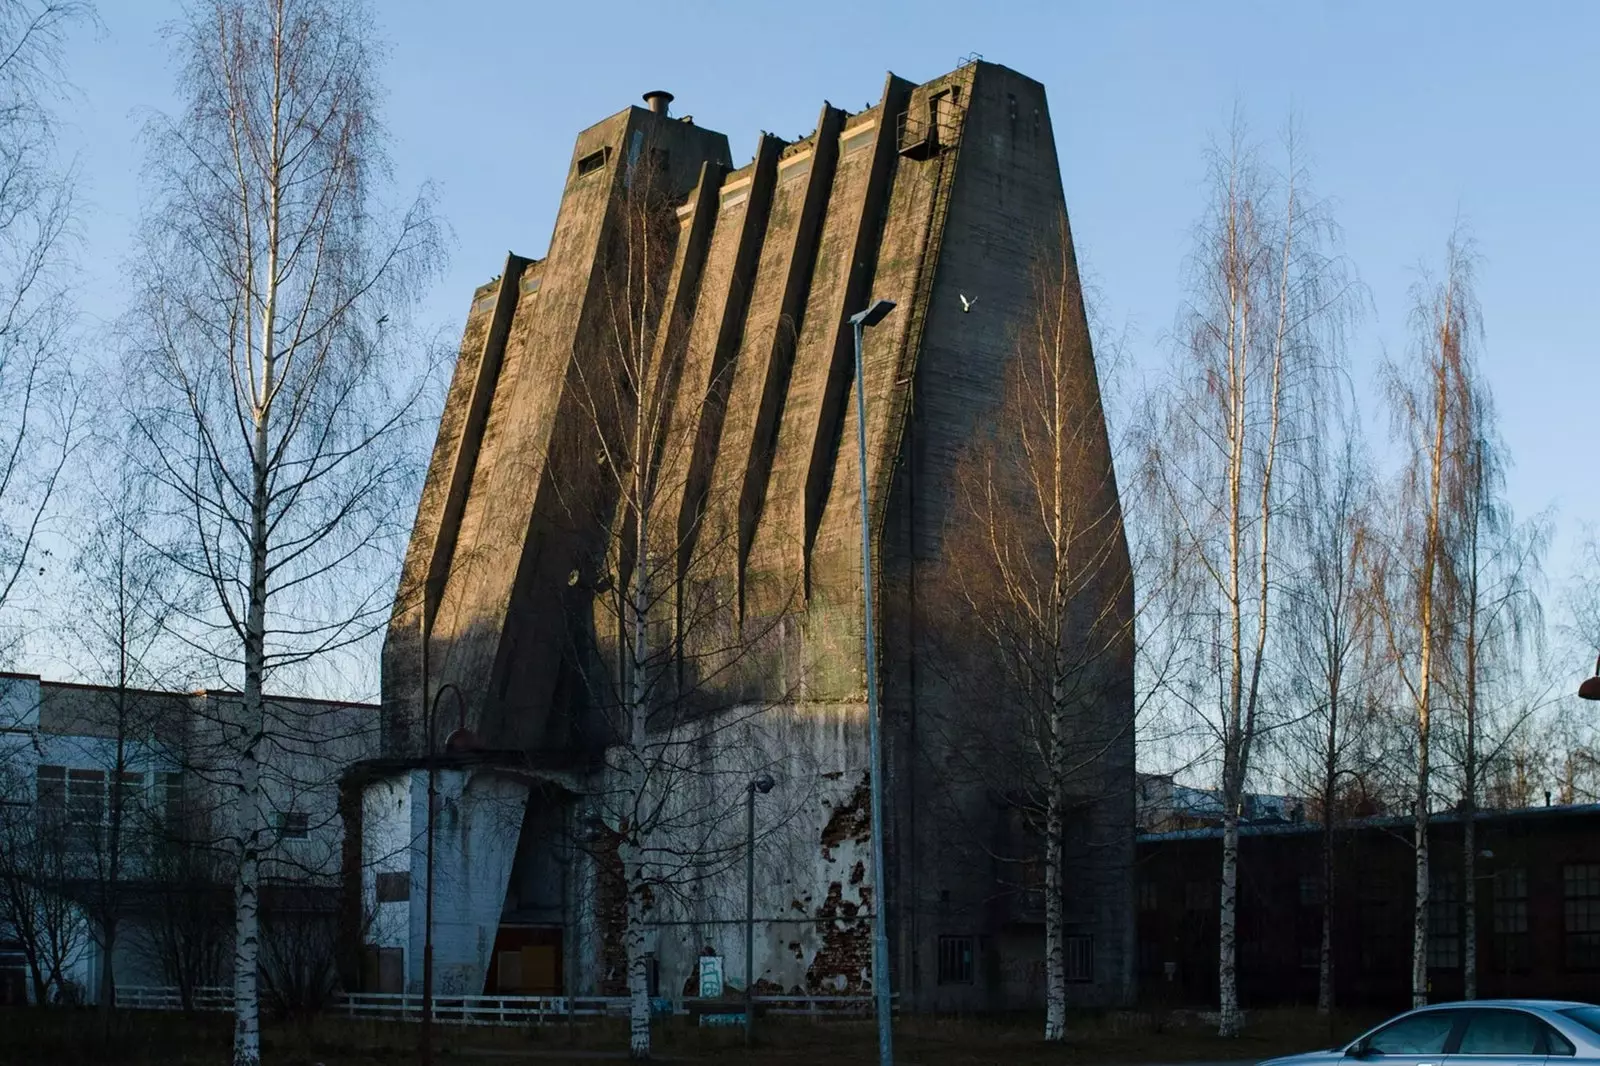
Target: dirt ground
(68, 1036)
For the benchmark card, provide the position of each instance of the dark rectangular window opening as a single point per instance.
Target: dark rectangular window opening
(394, 886)
(1580, 915)
(1510, 947)
(1080, 958)
(1444, 921)
(593, 162)
(294, 825)
(955, 960)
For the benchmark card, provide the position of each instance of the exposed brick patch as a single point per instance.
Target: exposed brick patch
(851, 820)
(846, 950)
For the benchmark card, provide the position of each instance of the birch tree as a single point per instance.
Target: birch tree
(1496, 619)
(1430, 399)
(1040, 616)
(1268, 298)
(278, 390)
(1330, 646)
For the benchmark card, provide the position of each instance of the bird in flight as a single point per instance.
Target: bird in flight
(966, 304)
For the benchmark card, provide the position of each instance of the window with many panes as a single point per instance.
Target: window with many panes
(172, 802)
(1509, 920)
(1310, 890)
(1444, 921)
(955, 960)
(1580, 915)
(52, 793)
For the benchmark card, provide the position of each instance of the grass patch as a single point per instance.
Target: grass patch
(58, 1036)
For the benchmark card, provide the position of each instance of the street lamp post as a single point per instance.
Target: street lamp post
(761, 783)
(859, 322)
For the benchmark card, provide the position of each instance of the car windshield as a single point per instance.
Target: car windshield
(1588, 1017)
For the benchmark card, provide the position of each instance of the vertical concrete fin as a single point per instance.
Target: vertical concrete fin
(697, 218)
(826, 443)
(465, 461)
(780, 358)
(709, 365)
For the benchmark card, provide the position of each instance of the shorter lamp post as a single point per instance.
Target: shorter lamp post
(427, 907)
(1590, 689)
(761, 783)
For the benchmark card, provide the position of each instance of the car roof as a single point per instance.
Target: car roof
(1537, 1004)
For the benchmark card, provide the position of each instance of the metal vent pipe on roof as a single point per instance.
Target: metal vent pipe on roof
(657, 100)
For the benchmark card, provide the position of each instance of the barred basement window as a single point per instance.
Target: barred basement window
(1080, 958)
(1580, 916)
(955, 960)
(394, 886)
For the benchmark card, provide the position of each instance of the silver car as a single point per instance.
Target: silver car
(1484, 1032)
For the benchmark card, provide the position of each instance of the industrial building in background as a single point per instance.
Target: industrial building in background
(500, 663)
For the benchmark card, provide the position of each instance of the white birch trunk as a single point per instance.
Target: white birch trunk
(1228, 1022)
(1469, 905)
(638, 971)
(1055, 962)
(1325, 951)
(250, 827)
(638, 738)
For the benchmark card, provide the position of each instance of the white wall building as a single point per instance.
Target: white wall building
(122, 802)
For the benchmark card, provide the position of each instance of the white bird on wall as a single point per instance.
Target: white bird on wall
(966, 304)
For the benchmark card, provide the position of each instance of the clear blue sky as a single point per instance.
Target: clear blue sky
(1414, 113)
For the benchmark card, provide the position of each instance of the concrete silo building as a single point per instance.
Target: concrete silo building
(942, 194)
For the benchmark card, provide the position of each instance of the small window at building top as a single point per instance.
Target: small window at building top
(955, 960)
(591, 162)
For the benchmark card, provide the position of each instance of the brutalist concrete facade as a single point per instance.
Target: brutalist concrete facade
(945, 188)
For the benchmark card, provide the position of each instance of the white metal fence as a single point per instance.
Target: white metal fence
(505, 1010)
(168, 997)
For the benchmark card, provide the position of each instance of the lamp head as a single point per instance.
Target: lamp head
(763, 783)
(874, 313)
(1590, 689)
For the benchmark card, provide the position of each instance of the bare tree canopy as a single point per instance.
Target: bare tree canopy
(39, 410)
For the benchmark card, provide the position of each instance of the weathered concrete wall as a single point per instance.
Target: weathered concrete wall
(387, 847)
(476, 826)
(813, 886)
